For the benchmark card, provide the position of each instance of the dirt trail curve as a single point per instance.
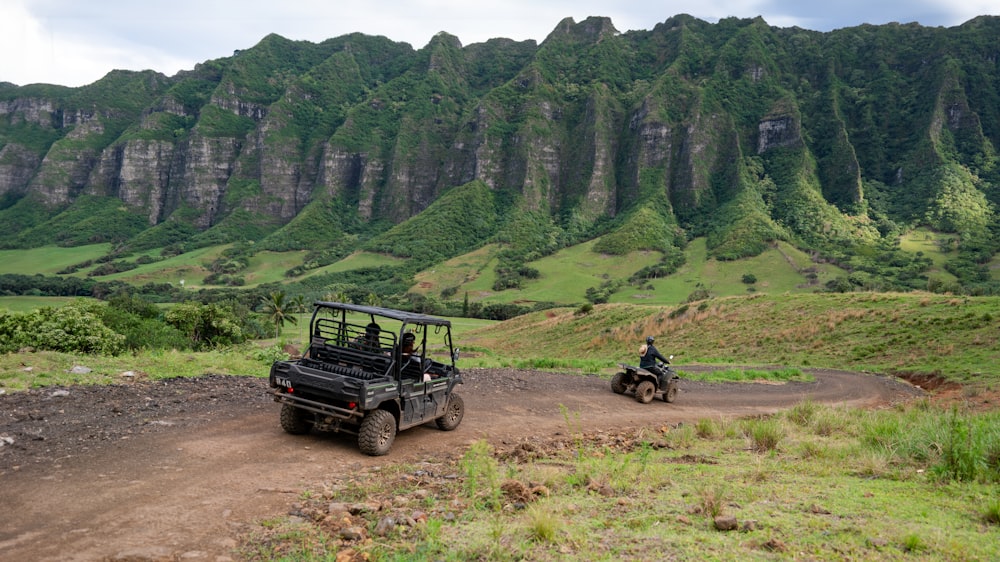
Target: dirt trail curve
(175, 470)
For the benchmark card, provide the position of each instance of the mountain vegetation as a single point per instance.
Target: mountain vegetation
(744, 134)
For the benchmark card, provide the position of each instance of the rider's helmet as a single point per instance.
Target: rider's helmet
(649, 340)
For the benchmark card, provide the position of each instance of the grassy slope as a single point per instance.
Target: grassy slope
(920, 333)
(778, 270)
(927, 242)
(565, 275)
(357, 260)
(48, 259)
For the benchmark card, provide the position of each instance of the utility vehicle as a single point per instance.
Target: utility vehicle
(357, 377)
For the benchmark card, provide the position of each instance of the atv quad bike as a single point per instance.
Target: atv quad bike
(358, 377)
(645, 384)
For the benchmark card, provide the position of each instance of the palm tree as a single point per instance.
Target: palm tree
(278, 311)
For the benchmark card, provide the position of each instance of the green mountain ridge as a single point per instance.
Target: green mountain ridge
(739, 132)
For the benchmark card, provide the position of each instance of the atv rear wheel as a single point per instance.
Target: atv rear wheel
(378, 431)
(295, 420)
(453, 413)
(644, 392)
(618, 385)
(670, 394)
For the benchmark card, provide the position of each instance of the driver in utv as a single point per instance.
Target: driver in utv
(648, 354)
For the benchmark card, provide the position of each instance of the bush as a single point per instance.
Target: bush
(74, 328)
(206, 325)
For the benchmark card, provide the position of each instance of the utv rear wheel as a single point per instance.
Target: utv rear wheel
(618, 385)
(295, 420)
(644, 392)
(378, 431)
(670, 394)
(453, 413)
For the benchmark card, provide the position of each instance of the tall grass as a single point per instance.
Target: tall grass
(956, 445)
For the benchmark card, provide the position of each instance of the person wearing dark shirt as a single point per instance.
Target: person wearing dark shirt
(648, 355)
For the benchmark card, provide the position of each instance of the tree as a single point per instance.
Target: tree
(278, 310)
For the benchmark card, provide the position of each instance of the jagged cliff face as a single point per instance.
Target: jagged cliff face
(588, 124)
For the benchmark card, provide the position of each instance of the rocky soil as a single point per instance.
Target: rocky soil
(181, 468)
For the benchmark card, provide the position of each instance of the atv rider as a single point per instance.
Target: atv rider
(648, 354)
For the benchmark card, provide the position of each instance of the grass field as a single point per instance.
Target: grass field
(783, 269)
(357, 260)
(49, 259)
(27, 304)
(191, 267)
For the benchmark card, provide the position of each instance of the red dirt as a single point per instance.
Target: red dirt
(178, 469)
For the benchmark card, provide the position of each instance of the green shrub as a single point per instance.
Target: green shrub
(74, 328)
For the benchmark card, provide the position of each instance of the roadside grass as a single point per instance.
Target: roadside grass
(796, 488)
(748, 375)
(41, 369)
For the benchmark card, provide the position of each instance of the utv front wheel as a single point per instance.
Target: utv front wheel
(452, 414)
(378, 431)
(295, 420)
(644, 392)
(618, 385)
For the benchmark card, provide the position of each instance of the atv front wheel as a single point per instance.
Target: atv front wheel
(670, 394)
(378, 431)
(453, 413)
(644, 392)
(295, 420)
(618, 385)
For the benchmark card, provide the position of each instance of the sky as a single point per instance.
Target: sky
(74, 42)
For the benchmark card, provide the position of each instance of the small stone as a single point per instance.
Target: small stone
(749, 525)
(726, 523)
(385, 526)
(352, 533)
(59, 393)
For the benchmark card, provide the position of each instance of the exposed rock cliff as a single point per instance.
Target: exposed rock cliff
(586, 126)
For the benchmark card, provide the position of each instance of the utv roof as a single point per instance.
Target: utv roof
(401, 315)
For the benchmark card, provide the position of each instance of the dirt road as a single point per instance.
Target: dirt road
(177, 469)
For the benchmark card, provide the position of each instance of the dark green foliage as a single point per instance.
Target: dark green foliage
(457, 222)
(206, 325)
(643, 229)
(320, 226)
(88, 220)
(163, 235)
(74, 328)
(219, 123)
(142, 324)
(23, 214)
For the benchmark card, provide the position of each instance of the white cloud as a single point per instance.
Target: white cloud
(35, 52)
